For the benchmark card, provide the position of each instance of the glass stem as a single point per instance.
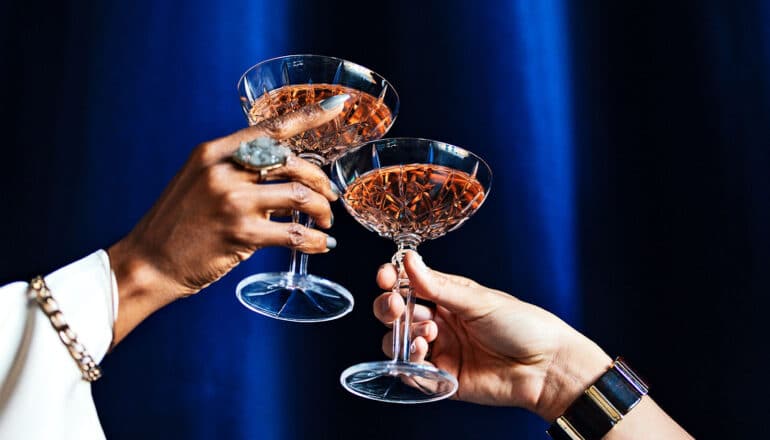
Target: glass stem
(298, 264)
(402, 338)
(299, 259)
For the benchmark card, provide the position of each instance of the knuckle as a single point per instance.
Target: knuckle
(463, 282)
(309, 115)
(295, 236)
(213, 177)
(293, 165)
(241, 230)
(273, 127)
(436, 287)
(214, 172)
(231, 202)
(320, 180)
(441, 281)
(300, 194)
(205, 153)
(309, 111)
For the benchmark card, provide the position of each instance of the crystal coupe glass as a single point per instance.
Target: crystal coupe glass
(408, 190)
(285, 84)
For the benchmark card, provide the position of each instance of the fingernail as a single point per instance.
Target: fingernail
(331, 220)
(331, 242)
(334, 102)
(412, 348)
(335, 188)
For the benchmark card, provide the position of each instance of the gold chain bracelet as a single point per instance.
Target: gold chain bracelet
(39, 291)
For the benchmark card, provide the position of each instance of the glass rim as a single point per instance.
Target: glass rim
(420, 141)
(242, 79)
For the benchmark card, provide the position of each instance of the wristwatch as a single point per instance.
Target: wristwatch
(601, 406)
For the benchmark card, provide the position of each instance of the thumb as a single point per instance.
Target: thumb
(296, 122)
(457, 294)
(286, 125)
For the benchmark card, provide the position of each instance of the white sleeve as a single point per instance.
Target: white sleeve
(42, 393)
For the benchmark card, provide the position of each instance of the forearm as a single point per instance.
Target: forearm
(647, 420)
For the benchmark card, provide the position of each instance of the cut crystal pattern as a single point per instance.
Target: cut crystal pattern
(421, 199)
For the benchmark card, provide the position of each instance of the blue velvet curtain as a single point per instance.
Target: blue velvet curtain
(629, 143)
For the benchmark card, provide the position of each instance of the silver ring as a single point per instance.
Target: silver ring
(262, 155)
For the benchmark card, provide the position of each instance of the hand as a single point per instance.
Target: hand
(213, 215)
(503, 351)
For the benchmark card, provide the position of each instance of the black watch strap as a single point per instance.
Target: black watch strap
(601, 406)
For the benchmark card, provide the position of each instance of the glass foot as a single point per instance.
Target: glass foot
(398, 382)
(293, 297)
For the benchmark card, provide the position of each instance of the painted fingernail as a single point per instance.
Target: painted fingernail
(335, 188)
(331, 242)
(334, 102)
(331, 220)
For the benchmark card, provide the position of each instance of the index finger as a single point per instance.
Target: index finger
(310, 175)
(284, 126)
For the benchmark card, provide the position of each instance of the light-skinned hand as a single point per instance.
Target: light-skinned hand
(503, 351)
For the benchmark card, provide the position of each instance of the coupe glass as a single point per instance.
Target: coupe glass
(409, 191)
(285, 84)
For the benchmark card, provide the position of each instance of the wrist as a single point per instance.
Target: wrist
(138, 276)
(577, 365)
(142, 287)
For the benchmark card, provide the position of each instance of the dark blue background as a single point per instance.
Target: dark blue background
(629, 142)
